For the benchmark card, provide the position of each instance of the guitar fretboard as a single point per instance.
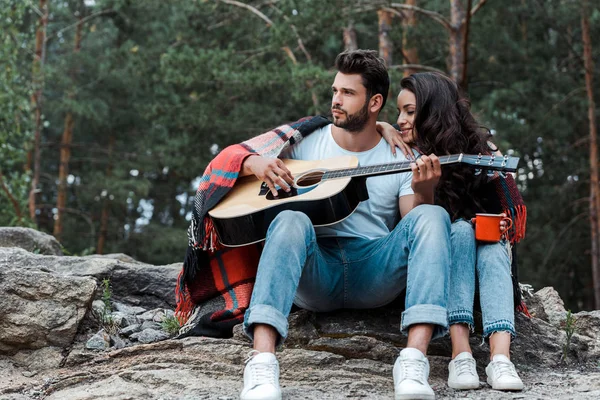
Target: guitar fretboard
(383, 169)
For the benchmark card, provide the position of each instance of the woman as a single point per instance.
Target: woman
(435, 118)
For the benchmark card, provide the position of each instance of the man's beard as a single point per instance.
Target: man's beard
(355, 122)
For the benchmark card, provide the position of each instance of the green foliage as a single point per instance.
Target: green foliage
(170, 325)
(569, 328)
(15, 117)
(107, 321)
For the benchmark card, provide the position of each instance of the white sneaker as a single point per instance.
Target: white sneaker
(502, 375)
(261, 377)
(463, 372)
(411, 372)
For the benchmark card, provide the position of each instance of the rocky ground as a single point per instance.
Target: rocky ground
(47, 325)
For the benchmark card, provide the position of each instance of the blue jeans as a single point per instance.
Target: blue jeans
(491, 263)
(324, 274)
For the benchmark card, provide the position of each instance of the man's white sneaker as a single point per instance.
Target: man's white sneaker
(463, 372)
(411, 372)
(261, 377)
(501, 374)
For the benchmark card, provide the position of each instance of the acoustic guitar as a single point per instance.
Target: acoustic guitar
(327, 191)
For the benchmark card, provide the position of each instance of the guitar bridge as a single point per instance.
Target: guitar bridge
(264, 189)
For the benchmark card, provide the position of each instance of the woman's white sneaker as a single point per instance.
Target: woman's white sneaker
(261, 377)
(502, 375)
(463, 372)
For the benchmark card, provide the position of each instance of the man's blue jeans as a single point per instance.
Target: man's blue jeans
(331, 273)
(491, 264)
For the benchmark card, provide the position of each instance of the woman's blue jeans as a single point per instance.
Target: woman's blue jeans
(324, 274)
(490, 263)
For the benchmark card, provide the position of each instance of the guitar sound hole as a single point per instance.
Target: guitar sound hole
(310, 179)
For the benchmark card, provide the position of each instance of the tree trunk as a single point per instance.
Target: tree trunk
(409, 50)
(385, 43)
(460, 19)
(106, 202)
(36, 101)
(594, 188)
(350, 37)
(65, 149)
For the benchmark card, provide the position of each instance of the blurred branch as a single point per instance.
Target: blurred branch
(560, 32)
(431, 14)
(397, 13)
(300, 42)
(563, 100)
(477, 7)
(97, 14)
(558, 237)
(250, 8)
(73, 211)
(14, 202)
(416, 66)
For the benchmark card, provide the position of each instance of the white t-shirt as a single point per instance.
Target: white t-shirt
(375, 217)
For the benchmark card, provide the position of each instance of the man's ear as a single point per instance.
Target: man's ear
(376, 103)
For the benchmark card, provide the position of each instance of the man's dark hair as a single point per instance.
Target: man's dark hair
(370, 67)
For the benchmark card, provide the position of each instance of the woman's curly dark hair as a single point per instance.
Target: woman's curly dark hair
(444, 125)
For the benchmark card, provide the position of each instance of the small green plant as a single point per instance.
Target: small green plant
(170, 325)
(108, 323)
(569, 327)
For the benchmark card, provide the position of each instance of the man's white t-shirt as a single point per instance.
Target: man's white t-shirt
(375, 217)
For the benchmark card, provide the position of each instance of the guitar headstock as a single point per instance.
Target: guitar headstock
(499, 163)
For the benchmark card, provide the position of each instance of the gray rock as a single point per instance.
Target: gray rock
(123, 320)
(30, 240)
(152, 286)
(362, 347)
(130, 330)
(345, 354)
(41, 359)
(151, 325)
(547, 305)
(124, 308)
(40, 308)
(149, 336)
(116, 342)
(98, 308)
(100, 341)
(116, 256)
(587, 323)
(156, 315)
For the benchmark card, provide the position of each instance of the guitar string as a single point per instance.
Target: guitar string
(484, 161)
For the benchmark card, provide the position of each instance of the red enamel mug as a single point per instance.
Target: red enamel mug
(487, 226)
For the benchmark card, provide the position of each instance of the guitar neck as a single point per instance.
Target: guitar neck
(384, 169)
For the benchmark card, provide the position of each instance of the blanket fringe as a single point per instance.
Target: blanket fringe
(211, 239)
(518, 214)
(185, 306)
(523, 308)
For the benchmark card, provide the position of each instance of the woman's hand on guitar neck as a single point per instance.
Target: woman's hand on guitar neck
(272, 171)
(427, 171)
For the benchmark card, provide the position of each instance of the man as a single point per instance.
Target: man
(364, 261)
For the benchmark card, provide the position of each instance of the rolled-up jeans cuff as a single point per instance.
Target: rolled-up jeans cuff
(265, 314)
(426, 314)
(499, 326)
(462, 317)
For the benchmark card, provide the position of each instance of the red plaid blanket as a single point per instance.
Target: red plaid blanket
(215, 285)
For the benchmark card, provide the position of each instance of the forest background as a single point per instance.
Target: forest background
(111, 109)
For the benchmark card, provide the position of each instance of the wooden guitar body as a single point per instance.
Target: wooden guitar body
(245, 213)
